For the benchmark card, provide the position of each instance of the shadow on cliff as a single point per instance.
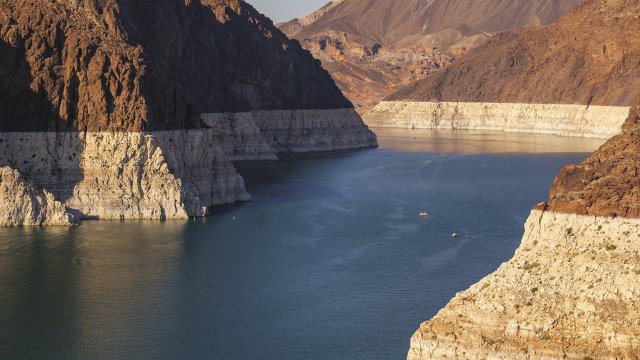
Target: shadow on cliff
(207, 56)
(34, 139)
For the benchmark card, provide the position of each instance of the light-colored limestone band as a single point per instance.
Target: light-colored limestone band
(166, 174)
(295, 131)
(556, 119)
(22, 203)
(570, 292)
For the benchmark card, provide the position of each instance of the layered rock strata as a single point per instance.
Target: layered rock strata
(23, 204)
(173, 174)
(570, 292)
(294, 131)
(566, 120)
(125, 175)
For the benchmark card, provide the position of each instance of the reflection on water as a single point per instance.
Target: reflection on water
(481, 142)
(82, 292)
(330, 260)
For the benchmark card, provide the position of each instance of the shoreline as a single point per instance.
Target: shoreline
(159, 175)
(601, 122)
(550, 300)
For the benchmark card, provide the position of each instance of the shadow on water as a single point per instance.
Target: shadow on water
(63, 290)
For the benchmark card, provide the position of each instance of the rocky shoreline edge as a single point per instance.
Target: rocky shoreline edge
(53, 178)
(555, 119)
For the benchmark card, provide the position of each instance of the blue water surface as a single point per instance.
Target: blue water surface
(330, 260)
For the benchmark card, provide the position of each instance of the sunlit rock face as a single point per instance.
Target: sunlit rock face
(570, 292)
(25, 205)
(372, 48)
(557, 119)
(105, 109)
(589, 57)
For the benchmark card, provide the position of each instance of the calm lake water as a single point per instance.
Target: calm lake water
(330, 261)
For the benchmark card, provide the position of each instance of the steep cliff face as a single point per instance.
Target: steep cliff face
(372, 48)
(571, 290)
(556, 119)
(606, 184)
(589, 57)
(105, 65)
(102, 102)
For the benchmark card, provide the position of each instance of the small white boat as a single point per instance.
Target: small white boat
(424, 214)
(455, 235)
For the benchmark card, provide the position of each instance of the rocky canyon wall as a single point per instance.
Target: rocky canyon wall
(125, 175)
(373, 48)
(589, 57)
(299, 131)
(126, 109)
(171, 174)
(565, 120)
(570, 292)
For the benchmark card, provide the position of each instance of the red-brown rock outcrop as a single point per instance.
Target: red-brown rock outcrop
(130, 65)
(607, 183)
(589, 57)
(373, 48)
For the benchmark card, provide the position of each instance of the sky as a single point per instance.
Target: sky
(285, 10)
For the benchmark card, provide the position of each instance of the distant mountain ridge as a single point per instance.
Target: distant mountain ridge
(374, 47)
(296, 25)
(589, 57)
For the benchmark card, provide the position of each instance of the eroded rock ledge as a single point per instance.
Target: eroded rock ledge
(556, 119)
(570, 292)
(23, 204)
